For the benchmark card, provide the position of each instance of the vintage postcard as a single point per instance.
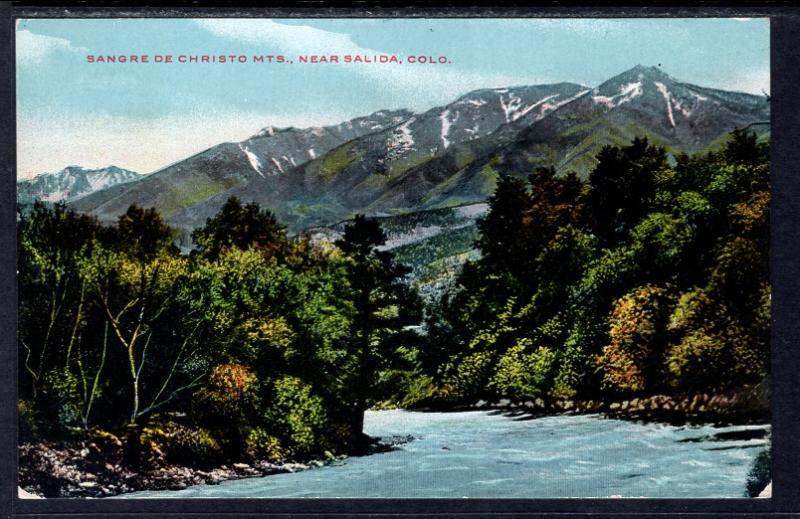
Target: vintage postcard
(393, 258)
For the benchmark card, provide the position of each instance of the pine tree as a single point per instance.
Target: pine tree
(383, 305)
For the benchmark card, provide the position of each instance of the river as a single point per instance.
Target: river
(487, 454)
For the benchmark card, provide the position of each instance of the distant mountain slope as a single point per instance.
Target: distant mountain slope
(71, 183)
(433, 243)
(355, 174)
(267, 155)
(641, 101)
(397, 162)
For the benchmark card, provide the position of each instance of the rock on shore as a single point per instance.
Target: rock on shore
(49, 471)
(97, 470)
(743, 405)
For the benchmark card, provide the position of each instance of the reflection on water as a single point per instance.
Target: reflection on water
(480, 454)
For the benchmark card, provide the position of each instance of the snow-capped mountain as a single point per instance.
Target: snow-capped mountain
(273, 151)
(71, 183)
(470, 117)
(180, 188)
(398, 162)
(359, 171)
(643, 101)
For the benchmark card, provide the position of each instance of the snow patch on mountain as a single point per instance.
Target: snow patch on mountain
(444, 117)
(277, 164)
(668, 98)
(510, 107)
(401, 140)
(268, 131)
(72, 183)
(540, 103)
(627, 92)
(549, 107)
(698, 96)
(475, 102)
(253, 158)
(96, 182)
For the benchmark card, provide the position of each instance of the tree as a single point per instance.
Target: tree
(135, 283)
(240, 226)
(623, 186)
(632, 360)
(502, 227)
(383, 304)
(51, 243)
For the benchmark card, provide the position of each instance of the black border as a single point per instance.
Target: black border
(785, 113)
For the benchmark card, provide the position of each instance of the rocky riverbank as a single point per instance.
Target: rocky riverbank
(746, 405)
(96, 470)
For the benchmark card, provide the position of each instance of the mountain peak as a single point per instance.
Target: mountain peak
(71, 183)
(637, 74)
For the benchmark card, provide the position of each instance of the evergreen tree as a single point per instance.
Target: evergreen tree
(623, 187)
(383, 305)
(240, 226)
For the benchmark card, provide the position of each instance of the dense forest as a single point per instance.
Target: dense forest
(651, 276)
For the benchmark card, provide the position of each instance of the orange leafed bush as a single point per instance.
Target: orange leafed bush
(635, 324)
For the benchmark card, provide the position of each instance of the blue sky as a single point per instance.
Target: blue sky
(144, 116)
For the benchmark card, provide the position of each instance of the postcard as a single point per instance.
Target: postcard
(393, 258)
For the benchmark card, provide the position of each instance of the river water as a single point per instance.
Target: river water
(487, 454)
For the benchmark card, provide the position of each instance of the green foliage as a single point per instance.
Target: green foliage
(336, 161)
(650, 277)
(260, 445)
(383, 305)
(231, 389)
(525, 376)
(142, 234)
(660, 241)
(182, 445)
(242, 227)
(296, 414)
(252, 340)
(471, 376)
(623, 187)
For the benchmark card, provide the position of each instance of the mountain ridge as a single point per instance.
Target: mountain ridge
(391, 162)
(71, 183)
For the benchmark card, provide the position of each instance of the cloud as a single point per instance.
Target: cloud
(440, 82)
(287, 38)
(34, 48)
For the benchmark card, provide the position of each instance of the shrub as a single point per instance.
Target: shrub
(525, 376)
(296, 414)
(28, 428)
(260, 445)
(629, 362)
(698, 361)
(179, 444)
(574, 363)
(419, 389)
(230, 390)
(471, 376)
(193, 447)
(711, 349)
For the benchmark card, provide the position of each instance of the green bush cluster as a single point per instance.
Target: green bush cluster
(264, 345)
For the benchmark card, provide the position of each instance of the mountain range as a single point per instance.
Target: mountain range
(399, 165)
(71, 183)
